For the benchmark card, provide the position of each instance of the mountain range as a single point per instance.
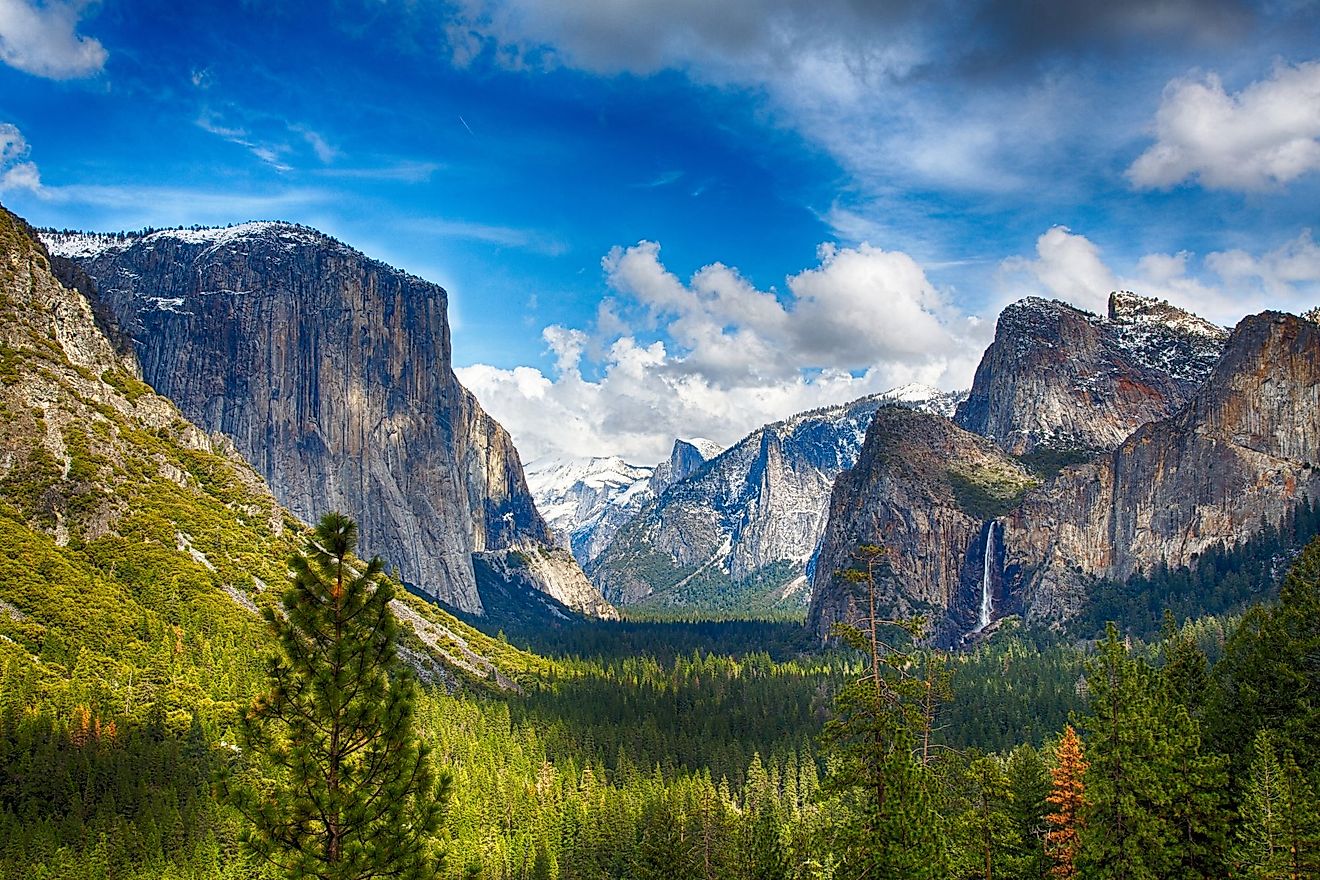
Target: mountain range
(1089, 449)
(1228, 449)
(737, 535)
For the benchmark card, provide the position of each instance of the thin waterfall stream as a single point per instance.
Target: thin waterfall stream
(987, 587)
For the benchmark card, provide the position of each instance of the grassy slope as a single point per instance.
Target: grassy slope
(134, 550)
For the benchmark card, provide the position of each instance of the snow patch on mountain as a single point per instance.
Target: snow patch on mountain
(748, 521)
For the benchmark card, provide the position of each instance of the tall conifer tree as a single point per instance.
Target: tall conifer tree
(891, 829)
(348, 793)
(1068, 799)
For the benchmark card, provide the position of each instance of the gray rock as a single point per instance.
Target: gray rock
(1057, 376)
(331, 374)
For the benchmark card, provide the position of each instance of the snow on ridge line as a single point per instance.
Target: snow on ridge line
(89, 244)
(86, 245)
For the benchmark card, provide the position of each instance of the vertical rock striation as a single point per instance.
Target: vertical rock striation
(1242, 451)
(926, 490)
(331, 373)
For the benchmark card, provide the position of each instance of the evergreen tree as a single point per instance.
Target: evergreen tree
(987, 826)
(1029, 787)
(348, 789)
(1270, 671)
(1156, 802)
(1068, 798)
(888, 828)
(1279, 837)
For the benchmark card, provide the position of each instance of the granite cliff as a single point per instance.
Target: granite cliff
(969, 532)
(129, 528)
(330, 373)
(926, 490)
(1058, 377)
(1242, 451)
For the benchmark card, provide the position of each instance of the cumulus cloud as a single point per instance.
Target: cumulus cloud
(41, 38)
(1266, 135)
(1069, 267)
(715, 356)
(1222, 286)
(16, 172)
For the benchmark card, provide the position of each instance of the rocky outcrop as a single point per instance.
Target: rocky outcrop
(331, 374)
(89, 453)
(586, 501)
(737, 536)
(685, 459)
(1062, 378)
(552, 571)
(926, 490)
(1242, 451)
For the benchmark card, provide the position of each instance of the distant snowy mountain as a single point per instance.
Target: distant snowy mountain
(585, 501)
(736, 535)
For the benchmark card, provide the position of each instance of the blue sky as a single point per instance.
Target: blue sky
(676, 217)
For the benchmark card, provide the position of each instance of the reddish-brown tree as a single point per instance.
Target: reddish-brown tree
(1068, 798)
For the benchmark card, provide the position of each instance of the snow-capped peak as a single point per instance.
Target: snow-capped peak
(585, 500)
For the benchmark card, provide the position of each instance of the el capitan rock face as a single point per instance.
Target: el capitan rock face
(1056, 376)
(331, 373)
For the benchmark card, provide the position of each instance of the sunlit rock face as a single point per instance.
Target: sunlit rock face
(925, 490)
(961, 525)
(331, 373)
(1056, 376)
(1241, 452)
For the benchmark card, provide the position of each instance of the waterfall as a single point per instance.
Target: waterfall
(987, 588)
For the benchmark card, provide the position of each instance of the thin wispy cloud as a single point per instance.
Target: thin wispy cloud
(665, 178)
(139, 206)
(530, 240)
(402, 172)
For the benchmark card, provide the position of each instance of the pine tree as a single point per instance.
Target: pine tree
(1029, 785)
(1068, 798)
(348, 790)
(1156, 800)
(889, 829)
(1279, 837)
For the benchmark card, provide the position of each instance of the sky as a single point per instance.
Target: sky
(661, 218)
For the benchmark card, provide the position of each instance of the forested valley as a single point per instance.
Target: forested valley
(715, 763)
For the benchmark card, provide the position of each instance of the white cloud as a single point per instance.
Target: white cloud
(731, 357)
(42, 39)
(1068, 266)
(868, 82)
(16, 172)
(972, 97)
(531, 240)
(1264, 136)
(1282, 272)
(1222, 286)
